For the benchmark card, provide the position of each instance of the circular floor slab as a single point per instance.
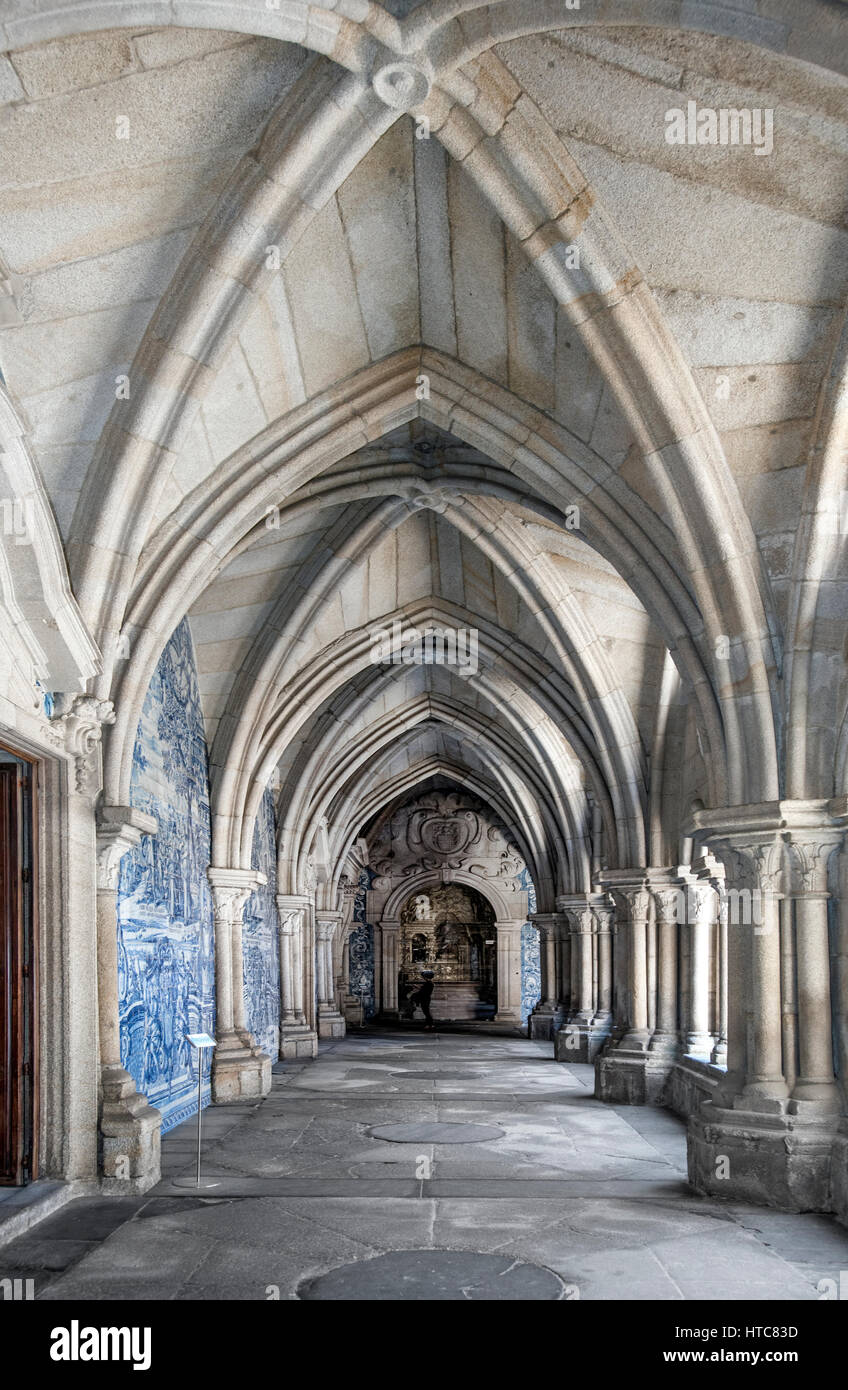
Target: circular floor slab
(436, 1133)
(420, 1275)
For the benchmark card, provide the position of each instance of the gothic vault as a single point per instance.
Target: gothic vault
(423, 468)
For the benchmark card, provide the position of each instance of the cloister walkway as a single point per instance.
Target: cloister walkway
(565, 1197)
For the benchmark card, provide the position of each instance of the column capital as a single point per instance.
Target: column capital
(119, 829)
(807, 856)
(231, 889)
(604, 916)
(629, 888)
(292, 902)
(582, 920)
(289, 914)
(547, 922)
(571, 902)
(326, 922)
(668, 902)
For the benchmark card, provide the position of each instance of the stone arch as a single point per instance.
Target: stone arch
(815, 682)
(351, 31)
(497, 900)
(54, 645)
(655, 390)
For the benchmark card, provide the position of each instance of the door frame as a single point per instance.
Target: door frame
(24, 987)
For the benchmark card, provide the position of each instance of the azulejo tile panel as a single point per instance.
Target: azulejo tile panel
(166, 972)
(531, 963)
(361, 947)
(260, 949)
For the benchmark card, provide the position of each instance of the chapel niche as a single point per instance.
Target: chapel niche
(449, 930)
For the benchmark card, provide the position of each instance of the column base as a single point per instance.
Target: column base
(773, 1160)
(508, 1016)
(632, 1076)
(130, 1133)
(839, 1174)
(698, 1045)
(579, 1042)
(239, 1073)
(331, 1024)
(298, 1042)
(544, 1022)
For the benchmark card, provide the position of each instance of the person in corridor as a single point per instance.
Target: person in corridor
(422, 997)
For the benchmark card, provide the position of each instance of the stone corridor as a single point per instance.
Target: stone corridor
(573, 1199)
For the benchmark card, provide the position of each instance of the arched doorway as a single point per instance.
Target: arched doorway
(449, 929)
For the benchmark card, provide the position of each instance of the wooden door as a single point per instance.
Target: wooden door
(17, 973)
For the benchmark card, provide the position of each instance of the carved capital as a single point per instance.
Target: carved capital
(119, 829)
(231, 889)
(634, 903)
(754, 864)
(291, 911)
(604, 917)
(325, 924)
(701, 903)
(807, 861)
(77, 723)
(671, 904)
(582, 921)
(547, 923)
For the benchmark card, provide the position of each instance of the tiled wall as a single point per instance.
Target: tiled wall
(361, 947)
(531, 965)
(260, 944)
(166, 974)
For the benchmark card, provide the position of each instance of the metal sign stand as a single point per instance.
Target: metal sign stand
(202, 1042)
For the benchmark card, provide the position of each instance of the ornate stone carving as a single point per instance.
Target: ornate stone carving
(119, 830)
(78, 721)
(401, 85)
(442, 830)
(231, 889)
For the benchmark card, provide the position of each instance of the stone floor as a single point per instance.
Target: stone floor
(575, 1199)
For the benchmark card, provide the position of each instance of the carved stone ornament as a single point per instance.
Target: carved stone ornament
(401, 85)
(78, 723)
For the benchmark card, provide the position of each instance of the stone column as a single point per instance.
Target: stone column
(587, 1026)
(633, 1068)
(754, 1141)
(509, 972)
(702, 909)
(129, 1126)
(240, 1069)
(636, 904)
(839, 1163)
(816, 1083)
(563, 965)
(390, 932)
(331, 1023)
(297, 1039)
(604, 917)
(759, 868)
(719, 1053)
(584, 926)
(667, 1035)
(547, 1015)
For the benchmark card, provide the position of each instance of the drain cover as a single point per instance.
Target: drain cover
(437, 1133)
(435, 1274)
